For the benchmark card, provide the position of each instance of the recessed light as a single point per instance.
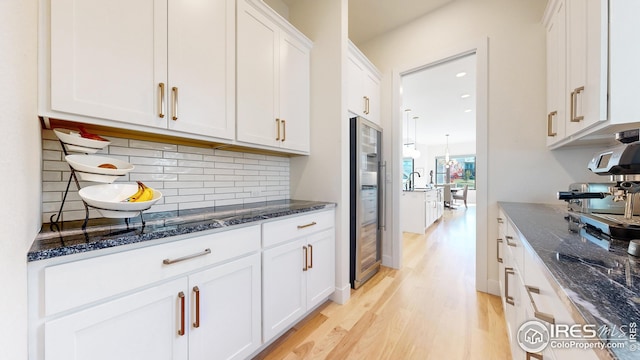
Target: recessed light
(461, 74)
(464, 96)
(468, 110)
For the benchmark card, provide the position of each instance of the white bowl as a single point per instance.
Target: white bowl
(107, 198)
(87, 168)
(75, 142)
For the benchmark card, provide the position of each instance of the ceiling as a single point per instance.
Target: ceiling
(432, 94)
(435, 96)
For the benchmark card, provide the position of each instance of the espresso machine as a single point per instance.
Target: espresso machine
(608, 211)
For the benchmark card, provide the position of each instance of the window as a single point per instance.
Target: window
(463, 170)
(407, 168)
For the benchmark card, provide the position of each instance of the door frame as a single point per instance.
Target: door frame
(480, 49)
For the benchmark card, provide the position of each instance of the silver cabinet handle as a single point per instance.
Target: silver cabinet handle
(574, 104)
(307, 225)
(175, 103)
(508, 298)
(509, 242)
(550, 131)
(173, 261)
(161, 100)
(538, 314)
(498, 250)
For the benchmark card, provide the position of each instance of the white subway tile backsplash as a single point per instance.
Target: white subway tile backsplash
(189, 177)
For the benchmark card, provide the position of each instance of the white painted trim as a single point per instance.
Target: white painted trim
(493, 287)
(480, 48)
(341, 295)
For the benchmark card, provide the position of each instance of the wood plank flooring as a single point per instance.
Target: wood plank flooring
(429, 309)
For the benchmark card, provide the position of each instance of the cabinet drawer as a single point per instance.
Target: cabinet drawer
(279, 231)
(81, 282)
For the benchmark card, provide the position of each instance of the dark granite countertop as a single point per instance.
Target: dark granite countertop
(603, 286)
(69, 238)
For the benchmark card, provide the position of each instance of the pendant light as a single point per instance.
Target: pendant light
(446, 151)
(415, 153)
(407, 150)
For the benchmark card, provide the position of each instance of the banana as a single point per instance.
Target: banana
(147, 194)
(138, 193)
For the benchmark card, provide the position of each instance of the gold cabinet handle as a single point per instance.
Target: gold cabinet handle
(538, 314)
(175, 102)
(550, 116)
(196, 291)
(574, 104)
(513, 244)
(500, 221)
(307, 225)
(284, 130)
(173, 261)
(305, 254)
(366, 104)
(278, 129)
(498, 250)
(310, 256)
(182, 300)
(534, 356)
(508, 298)
(161, 100)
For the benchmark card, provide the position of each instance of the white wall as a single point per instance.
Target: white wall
(324, 175)
(519, 166)
(20, 161)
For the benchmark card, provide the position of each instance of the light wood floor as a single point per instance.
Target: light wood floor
(429, 309)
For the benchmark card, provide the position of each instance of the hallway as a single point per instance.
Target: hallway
(427, 310)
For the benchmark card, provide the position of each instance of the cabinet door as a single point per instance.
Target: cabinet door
(371, 87)
(201, 67)
(225, 315)
(294, 94)
(283, 287)
(108, 57)
(257, 77)
(143, 325)
(586, 63)
(321, 267)
(556, 75)
(355, 83)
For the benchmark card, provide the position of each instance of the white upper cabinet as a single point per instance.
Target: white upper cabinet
(152, 64)
(273, 76)
(556, 76)
(586, 25)
(363, 92)
(590, 72)
(201, 66)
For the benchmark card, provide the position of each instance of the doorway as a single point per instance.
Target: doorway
(480, 51)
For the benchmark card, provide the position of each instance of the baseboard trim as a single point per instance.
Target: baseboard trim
(493, 287)
(341, 295)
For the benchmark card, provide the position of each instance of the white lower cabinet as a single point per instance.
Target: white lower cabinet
(298, 273)
(200, 298)
(527, 294)
(139, 326)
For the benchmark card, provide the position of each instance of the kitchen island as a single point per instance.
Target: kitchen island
(597, 286)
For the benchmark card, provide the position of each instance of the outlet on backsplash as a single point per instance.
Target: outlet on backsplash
(189, 177)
